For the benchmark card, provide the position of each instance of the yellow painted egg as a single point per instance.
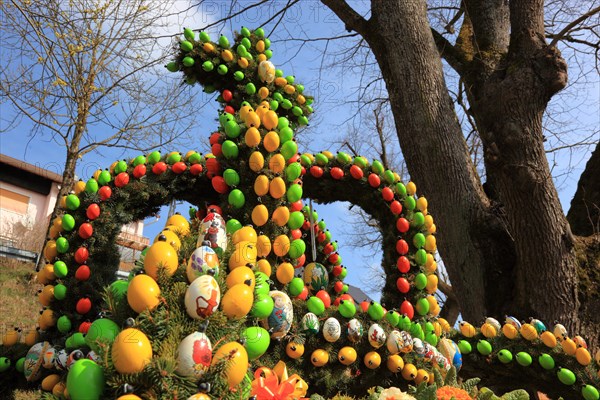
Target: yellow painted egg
(437, 328)
(252, 137)
(294, 350)
(46, 295)
(244, 253)
(270, 119)
(430, 243)
(510, 331)
(422, 203)
(319, 358)
(264, 266)
(244, 110)
(300, 99)
(569, 346)
(327, 154)
(347, 355)
(59, 389)
(79, 186)
(49, 382)
(50, 251)
(263, 246)
(271, 141)
(246, 233)
(261, 185)
(428, 221)
(260, 58)
(256, 161)
(237, 301)
(432, 229)
(46, 319)
(445, 325)
(131, 351)
(583, 356)
(260, 215)
(160, 254)
(529, 332)
(277, 163)
(409, 372)
(281, 215)
(548, 339)
(280, 81)
(372, 360)
(208, 47)
(11, 337)
(263, 92)
(32, 337)
(432, 283)
(284, 273)
(411, 188)
(171, 238)
(488, 330)
(252, 120)
(422, 376)
(261, 110)
(179, 221)
(53, 232)
(289, 89)
(143, 293)
(277, 188)
(466, 329)
(240, 275)
(281, 245)
(260, 46)
(395, 363)
(131, 396)
(227, 55)
(63, 202)
(432, 301)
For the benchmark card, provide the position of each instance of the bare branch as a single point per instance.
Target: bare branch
(573, 24)
(351, 19)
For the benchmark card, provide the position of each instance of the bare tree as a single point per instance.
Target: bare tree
(88, 74)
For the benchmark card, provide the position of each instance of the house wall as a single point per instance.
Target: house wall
(20, 205)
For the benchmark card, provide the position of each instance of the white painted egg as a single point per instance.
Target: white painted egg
(354, 330)
(310, 323)
(332, 330)
(282, 316)
(202, 297)
(202, 261)
(376, 336)
(194, 355)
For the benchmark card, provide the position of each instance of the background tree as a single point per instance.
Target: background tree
(511, 232)
(87, 75)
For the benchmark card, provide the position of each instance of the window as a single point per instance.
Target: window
(14, 202)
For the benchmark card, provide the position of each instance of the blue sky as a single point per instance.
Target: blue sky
(331, 86)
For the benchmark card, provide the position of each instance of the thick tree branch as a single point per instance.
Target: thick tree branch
(352, 20)
(448, 52)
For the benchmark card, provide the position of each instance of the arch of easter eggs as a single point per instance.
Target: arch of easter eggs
(123, 194)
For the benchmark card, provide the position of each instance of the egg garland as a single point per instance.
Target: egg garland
(415, 225)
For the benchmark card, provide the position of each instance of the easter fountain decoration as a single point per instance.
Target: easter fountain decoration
(248, 299)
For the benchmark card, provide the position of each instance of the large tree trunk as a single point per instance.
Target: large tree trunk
(584, 214)
(499, 245)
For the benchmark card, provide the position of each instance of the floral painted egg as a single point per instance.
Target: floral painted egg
(419, 347)
(202, 297)
(49, 356)
(407, 342)
(202, 260)
(450, 350)
(266, 71)
(34, 360)
(316, 276)
(60, 359)
(354, 330)
(310, 323)
(395, 342)
(332, 330)
(282, 316)
(212, 229)
(376, 336)
(194, 355)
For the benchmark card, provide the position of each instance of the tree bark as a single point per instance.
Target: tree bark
(584, 213)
